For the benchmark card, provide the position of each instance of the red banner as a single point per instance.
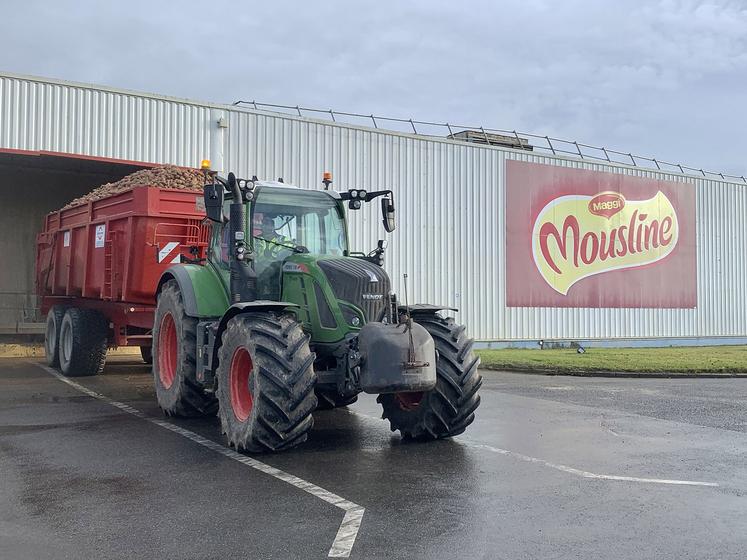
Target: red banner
(578, 238)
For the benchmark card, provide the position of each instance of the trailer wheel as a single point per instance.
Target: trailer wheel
(52, 335)
(82, 342)
(330, 398)
(265, 382)
(146, 352)
(448, 409)
(175, 351)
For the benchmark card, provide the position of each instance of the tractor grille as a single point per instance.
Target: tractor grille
(359, 282)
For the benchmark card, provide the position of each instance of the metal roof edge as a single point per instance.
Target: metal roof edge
(231, 108)
(111, 89)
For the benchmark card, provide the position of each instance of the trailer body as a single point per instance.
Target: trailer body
(109, 255)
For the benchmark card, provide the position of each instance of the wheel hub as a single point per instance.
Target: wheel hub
(66, 342)
(51, 337)
(239, 376)
(409, 401)
(168, 348)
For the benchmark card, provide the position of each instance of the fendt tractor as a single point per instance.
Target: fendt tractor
(280, 318)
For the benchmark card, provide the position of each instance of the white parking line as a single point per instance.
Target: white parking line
(563, 468)
(351, 522)
(585, 474)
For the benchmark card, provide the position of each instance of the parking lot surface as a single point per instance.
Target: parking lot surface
(553, 467)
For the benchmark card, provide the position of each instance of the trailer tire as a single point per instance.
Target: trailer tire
(265, 382)
(146, 353)
(448, 409)
(175, 352)
(82, 342)
(52, 335)
(330, 398)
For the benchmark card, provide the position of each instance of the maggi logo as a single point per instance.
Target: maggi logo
(606, 204)
(571, 242)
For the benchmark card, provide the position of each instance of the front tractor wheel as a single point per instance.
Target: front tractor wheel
(265, 382)
(174, 354)
(448, 409)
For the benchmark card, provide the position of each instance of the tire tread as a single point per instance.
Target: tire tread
(448, 409)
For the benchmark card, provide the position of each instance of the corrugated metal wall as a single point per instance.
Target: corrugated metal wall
(450, 199)
(79, 120)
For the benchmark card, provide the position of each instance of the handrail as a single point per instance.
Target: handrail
(555, 146)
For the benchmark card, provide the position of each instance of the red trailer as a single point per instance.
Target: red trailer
(98, 266)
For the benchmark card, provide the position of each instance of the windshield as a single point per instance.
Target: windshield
(288, 219)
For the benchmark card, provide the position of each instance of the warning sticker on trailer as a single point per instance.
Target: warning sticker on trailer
(100, 236)
(168, 254)
(66, 239)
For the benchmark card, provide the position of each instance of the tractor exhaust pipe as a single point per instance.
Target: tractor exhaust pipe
(243, 275)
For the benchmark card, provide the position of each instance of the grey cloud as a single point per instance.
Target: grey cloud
(665, 78)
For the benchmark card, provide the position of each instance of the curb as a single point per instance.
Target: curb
(620, 374)
(37, 351)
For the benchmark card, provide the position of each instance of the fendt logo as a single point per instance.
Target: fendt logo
(577, 236)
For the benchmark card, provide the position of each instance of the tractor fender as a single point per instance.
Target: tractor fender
(247, 306)
(238, 309)
(420, 308)
(201, 289)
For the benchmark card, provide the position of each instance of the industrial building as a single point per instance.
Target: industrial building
(528, 245)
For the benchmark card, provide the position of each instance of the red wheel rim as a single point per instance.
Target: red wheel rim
(168, 351)
(242, 400)
(409, 401)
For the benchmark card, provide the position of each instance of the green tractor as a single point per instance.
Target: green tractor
(282, 319)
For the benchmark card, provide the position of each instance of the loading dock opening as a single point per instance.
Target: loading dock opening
(31, 185)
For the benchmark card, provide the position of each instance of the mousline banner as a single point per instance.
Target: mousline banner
(578, 238)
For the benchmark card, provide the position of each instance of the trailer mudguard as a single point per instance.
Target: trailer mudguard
(201, 288)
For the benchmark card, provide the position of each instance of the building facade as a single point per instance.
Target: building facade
(528, 246)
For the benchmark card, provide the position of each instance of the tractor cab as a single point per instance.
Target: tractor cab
(283, 221)
(287, 222)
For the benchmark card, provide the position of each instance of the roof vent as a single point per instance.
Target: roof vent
(491, 139)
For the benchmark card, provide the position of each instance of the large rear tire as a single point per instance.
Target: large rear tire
(175, 352)
(82, 342)
(448, 409)
(52, 335)
(265, 382)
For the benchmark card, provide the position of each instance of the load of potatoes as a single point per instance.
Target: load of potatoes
(167, 176)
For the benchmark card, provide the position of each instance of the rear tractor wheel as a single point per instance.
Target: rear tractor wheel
(448, 409)
(265, 382)
(82, 342)
(175, 351)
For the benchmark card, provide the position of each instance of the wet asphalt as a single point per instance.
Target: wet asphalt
(532, 478)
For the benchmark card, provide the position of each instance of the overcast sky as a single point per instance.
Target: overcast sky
(662, 78)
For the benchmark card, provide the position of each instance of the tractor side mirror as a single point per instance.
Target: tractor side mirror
(214, 202)
(387, 214)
